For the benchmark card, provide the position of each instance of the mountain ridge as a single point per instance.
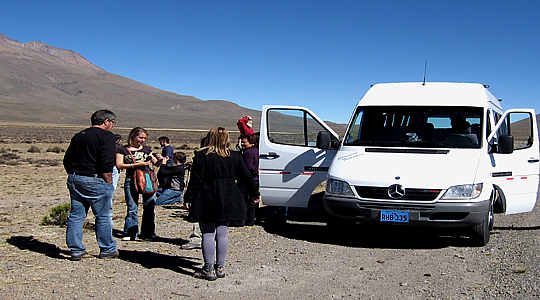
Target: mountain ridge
(40, 83)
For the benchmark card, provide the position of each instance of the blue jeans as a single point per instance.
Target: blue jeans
(131, 226)
(89, 192)
(168, 196)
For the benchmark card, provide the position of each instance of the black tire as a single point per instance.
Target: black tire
(480, 233)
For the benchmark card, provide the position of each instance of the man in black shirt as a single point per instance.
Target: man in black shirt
(89, 162)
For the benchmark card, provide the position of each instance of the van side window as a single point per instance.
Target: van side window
(292, 127)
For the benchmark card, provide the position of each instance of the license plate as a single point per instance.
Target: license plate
(394, 216)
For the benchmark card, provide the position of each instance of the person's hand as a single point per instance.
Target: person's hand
(142, 163)
(186, 205)
(257, 200)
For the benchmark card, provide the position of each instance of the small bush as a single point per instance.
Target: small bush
(10, 156)
(56, 149)
(47, 162)
(58, 216)
(10, 159)
(34, 149)
(10, 162)
(183, 147)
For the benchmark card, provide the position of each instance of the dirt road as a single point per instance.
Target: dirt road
(303, 259)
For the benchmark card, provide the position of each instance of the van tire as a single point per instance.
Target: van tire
(480, 233)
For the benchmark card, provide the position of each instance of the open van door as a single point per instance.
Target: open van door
(516, 163)
(291, 166)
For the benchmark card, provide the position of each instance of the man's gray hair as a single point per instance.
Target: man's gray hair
(100, 116)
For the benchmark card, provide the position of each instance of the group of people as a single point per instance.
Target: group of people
(222, 190)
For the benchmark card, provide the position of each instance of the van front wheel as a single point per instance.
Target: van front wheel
(480, 232)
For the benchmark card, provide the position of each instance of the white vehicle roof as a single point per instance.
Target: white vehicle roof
(429, 94)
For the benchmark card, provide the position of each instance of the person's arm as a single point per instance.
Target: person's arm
(245, 175)
(157, 159)
(243, 127)
(252, 162)
(121, 165)
(172, 171)
(68, 158)
(105, 159)
(196, 178)
(107, 177)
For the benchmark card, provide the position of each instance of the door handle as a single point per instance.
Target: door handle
(269, 155)
(533, 160)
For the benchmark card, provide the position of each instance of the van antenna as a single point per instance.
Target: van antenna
(425, 71)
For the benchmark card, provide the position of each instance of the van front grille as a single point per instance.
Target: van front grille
(372, 192)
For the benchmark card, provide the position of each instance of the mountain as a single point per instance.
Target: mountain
(44, 84)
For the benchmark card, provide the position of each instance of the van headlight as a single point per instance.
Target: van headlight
(466, 191)
(338, 187)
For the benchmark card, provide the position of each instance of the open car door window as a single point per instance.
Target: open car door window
(290, 165)
(517, 172)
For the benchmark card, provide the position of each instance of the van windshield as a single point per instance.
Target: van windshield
(416, 126)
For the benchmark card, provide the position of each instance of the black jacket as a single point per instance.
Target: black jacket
(172, 177)
(212, 190)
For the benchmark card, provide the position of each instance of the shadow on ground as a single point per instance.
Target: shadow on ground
(314, 225)
(30, 243)
(152, 260)
(147, 259)
(516, 228)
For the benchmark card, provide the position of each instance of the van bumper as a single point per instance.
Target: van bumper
(445, 214)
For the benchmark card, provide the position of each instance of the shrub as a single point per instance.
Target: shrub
(183, 147)
(34, 149)
(46, 162)
(10, 156)
(58, 216)
(56, 149)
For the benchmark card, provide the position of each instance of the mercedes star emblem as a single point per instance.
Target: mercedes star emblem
(396, 191)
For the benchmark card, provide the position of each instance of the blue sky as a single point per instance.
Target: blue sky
(323, 55)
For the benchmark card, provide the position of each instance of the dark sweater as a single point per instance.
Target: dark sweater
(91, 152)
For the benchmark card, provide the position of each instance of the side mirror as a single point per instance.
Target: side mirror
(323, 140)
(506, 144)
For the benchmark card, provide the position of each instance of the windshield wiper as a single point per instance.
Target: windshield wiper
(423, 143)
(374, 143)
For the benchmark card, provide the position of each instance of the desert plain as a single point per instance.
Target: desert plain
(302, 259)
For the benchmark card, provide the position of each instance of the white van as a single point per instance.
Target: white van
(435, 154)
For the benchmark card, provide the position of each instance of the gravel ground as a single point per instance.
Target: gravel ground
(299, 260)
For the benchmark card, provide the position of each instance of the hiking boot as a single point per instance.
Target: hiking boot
(80, 256)
(190, 246)
(219, 271)
(204, 274)
(115, 254)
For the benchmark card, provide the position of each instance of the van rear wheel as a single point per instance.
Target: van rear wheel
(480, 233)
